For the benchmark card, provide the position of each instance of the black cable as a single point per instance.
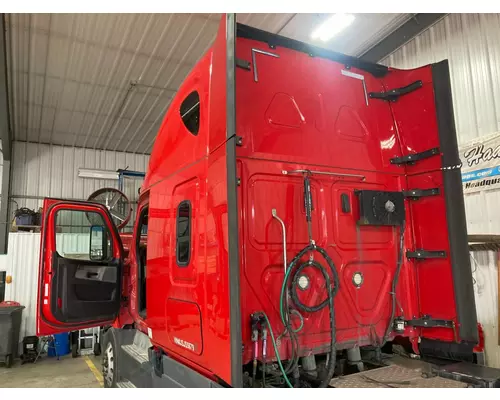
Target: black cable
(263, 373)
(395, 284)
(294, 340)
(308, 205)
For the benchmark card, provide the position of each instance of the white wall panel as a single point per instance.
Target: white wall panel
(21, 262)
(471, 43)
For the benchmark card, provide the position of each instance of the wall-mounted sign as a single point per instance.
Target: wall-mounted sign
(481, 164)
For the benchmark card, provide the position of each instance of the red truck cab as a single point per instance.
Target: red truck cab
(291, 192)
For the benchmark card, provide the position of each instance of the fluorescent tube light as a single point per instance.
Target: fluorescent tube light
(97, 173)
(332, 26)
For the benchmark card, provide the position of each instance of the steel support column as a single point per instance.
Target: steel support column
(6, 138)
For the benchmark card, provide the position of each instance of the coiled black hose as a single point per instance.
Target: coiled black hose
(331, 293)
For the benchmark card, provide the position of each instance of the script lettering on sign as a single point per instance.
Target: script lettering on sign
(480, 154)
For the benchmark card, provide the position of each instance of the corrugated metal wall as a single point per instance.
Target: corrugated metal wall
(41, 170)
(471, 44)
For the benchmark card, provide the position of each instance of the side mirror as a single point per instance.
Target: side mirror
(98, 243)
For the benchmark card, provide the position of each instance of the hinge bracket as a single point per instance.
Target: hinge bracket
(394, 94)
(243, 64)
(424, 254)
(428, 322)
(412, 158)
(415, 194)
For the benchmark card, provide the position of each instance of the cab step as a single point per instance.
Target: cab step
(126, 384)
(136, 353)
(135, 367)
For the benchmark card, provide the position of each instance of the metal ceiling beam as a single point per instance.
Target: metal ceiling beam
(286, 23)
(413, 27)
(6, 138)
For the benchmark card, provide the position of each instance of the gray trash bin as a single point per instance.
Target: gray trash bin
(10, 325)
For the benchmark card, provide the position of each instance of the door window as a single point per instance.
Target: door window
(82, 235)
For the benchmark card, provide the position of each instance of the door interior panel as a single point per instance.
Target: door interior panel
(81, 288)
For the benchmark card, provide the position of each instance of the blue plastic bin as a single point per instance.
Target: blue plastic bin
(60, 346)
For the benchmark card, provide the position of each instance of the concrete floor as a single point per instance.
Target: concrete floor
(67, 372)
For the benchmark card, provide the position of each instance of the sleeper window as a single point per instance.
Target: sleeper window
(183, 233)
(190, 112)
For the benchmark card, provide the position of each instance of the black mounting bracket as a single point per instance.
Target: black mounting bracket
(156, 355)
(394, 94)
(412, 158)
(239, 141)
(243, 64)
(420, 254)
(415, 194)
(428, 322)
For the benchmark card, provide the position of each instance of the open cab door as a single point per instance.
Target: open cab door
(80, 271)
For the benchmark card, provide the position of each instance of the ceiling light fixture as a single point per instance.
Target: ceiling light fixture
(97, 173)
(332, 26)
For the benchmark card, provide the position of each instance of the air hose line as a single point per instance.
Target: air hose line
(331, 292)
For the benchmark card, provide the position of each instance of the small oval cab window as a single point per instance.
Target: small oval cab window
(190, 112)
